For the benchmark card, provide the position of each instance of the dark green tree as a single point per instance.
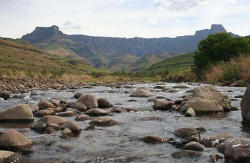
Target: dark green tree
(216, 48)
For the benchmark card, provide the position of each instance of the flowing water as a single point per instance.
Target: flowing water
(122, 143)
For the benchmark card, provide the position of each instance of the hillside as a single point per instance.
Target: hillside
(176, 65)
(114, 53)
(18, 57)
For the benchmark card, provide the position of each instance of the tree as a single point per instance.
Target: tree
(218, 47)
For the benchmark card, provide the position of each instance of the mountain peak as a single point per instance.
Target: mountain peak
(217, 28)
(41, 33)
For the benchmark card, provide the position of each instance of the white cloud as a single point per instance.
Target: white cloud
(160, 20)
(72, 24)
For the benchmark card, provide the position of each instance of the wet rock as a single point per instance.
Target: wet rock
(34, 108)
(201, 106)
(42, 113)
(213, 140)
(97, 112)
(18, 113)
(178, 102)
(51, 119)
(245, 106)
(190, 113)
(194, 146)
(103, 122)
(14, 139)
(186, 132)
(213, 94)
(55, 102)
(214, 158)
(11, 157)
(50, 130)
(104, 103)
(162, 105)
(160, 97)
(67, 133)
(39, 126)
(66, 114)
(55, 126)
(89, 100)
(74, 127)
(58, 109)
(184, 153)
(152, 100)
(154, 139)
(80, 106)
(45, 105)
(151, 119)
(77, 95)
(237, 153)
(82, 117)
(5, 95)
(142, 92)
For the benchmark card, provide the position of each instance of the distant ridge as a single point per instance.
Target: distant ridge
(104, 51)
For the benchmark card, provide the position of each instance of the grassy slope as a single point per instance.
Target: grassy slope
(176, 65)
(16, 56)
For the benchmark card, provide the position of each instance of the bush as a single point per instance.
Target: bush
(216, 48)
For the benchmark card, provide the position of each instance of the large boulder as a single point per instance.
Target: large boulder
(51, 119)
(45, 105)
(89, 100)
(5, 95)
(245, 106)
(212, 93)
(142, 92)
(200, 105)
(15, 140)
(18, 113)
(7, 156)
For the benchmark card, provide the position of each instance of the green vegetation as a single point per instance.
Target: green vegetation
(216, 48)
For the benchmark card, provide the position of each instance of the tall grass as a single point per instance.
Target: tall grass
(237, 69)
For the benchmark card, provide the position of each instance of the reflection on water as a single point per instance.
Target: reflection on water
(121, 143)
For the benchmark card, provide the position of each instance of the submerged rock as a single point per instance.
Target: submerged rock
(154, 139)
(39, 126)
(187, 132)
(103, 122)
(89, 100)
(5, 95)
(14, 139)
(18, 113)
(9, 157)
(97, 112)
(142, 92)
(184, 153)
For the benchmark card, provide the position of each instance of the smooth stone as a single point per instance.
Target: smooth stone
(77, 95)
(103, 122)
(18, 113)
(97, 112)
(80, 106)
(154, 139)
(11, 157)
(89, 100)
(162, 105)
(186, 132)
(82, 117)
(104, 103)
(66, 114)
(39, 126)
(51, 119)
(45, 105)
(67, 133)
(74, 127)
(55, 126)
(14, 139)
(184, 153)
(50, 130)
(5, 95)
(142, 92)
(190, 113)
(194, 146)
(42, 113)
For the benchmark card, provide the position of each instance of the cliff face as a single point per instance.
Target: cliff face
(98, 49)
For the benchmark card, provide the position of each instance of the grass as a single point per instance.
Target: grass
(237, 69)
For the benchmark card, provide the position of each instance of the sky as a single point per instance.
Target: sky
(124, 18)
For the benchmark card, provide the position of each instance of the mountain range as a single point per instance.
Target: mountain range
(116, 53)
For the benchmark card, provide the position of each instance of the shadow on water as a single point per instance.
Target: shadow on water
(15, 125)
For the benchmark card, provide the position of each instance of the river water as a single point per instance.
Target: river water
(122, 143)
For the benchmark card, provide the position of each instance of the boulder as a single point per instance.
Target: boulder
(103, 122)
(154, 139)
(142, 92)
(14, 139)
(18, 113)
(77, 95)
(7, 157)
(194, 146)
(39, 126)
(190, 113)
(237, 153)
(55, 126)
(67, 133)
(45, 105)
(50, 130)
(89, 100)
(74, 127)
(97, 112)
(200, 106)
(5, 95)
(82, 117)
(162, 105)
(55, 102)
(245, 106)
(212, 93)
(51, 119)
(104, 103)
(80, 106)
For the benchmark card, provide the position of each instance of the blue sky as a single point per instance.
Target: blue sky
(124, 18)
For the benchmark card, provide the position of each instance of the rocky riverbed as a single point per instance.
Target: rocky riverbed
(134, 123)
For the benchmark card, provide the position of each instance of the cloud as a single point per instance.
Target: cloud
(179, 5)
(74, 25)
(160, 20)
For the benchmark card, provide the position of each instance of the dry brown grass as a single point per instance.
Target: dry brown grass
(234, 70)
